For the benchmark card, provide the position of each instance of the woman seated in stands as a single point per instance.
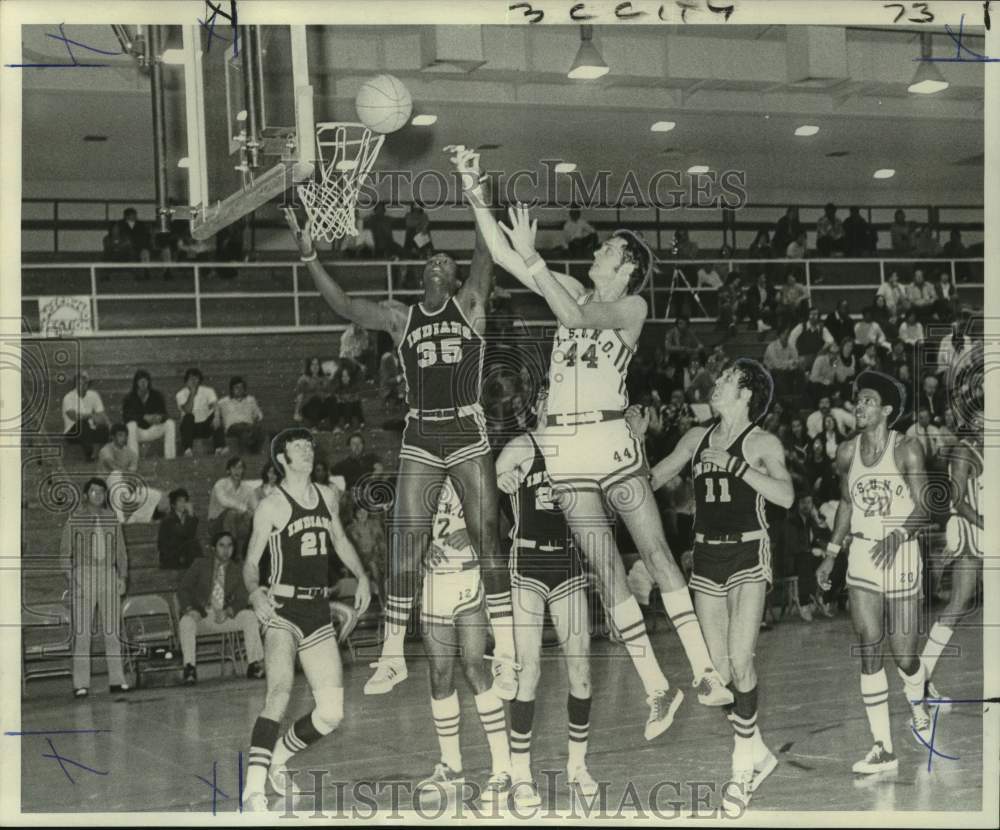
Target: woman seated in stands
(312, 395)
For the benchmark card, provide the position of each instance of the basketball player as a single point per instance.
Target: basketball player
(441, 348)
(298, 527)
(963, 543)
(546, 573)
(454, 622)
(736, 468)
(594, 455)
(881, 484)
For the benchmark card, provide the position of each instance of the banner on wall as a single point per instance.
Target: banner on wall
(64, 316)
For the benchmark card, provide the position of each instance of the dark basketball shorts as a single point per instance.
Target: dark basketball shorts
(552, 571)
(719, 568)
(445, 442)
(307, 620)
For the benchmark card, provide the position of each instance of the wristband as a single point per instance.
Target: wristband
(832, 549)
(737, 467)
(536, 265)
(309, 258)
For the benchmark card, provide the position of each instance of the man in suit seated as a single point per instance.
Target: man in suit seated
(213, 600)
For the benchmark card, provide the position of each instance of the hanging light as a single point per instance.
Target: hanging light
(588, 64)
(928, 78)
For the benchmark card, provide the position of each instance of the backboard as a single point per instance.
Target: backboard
(250, 124)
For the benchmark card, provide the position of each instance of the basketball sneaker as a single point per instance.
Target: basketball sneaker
(712, 691)
(762, 768)
(282, 781)
(932, 697)
(497, 789)
(920, 724)
(738, 795)
(878, 759)
(255, 803)
(439, 782)
(389, 671)
(662, 707)
(581, 779)
(505, 677)
(525, 794)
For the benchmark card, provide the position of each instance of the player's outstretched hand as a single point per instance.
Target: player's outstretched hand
(886, 548)
(303, 237)
(509, 480)
(264, 605)
(363, 595)
(522, 230)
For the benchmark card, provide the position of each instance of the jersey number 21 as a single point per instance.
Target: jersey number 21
(313, 544)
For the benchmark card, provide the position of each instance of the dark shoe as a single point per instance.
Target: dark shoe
(190, 675)
(79, 694)
(120, 689)
(255, 671)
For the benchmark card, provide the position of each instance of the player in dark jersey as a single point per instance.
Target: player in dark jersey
(546, 573)
(441, 348)
(299, 529)
(737, 468)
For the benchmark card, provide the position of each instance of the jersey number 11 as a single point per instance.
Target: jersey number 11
(723, 490)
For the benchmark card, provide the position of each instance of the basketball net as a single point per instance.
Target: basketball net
(346, 153)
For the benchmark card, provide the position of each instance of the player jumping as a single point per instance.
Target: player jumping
(736, 467)
(882, 480)
(594, 459)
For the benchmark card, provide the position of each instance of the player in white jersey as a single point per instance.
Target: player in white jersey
(882, 486)
(453, 612)
(594, 459)
(962, 542)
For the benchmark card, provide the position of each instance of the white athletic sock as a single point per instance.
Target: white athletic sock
(760, 749)
(491, 713)
(875, 693)
(937, 642)
(500, 611)
(397, 616)
(913, 684)
(632, 629)
(681, 613)
(447, 715)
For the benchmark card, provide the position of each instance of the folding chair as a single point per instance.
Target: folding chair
(46, 642)
(147, 624)
(227, 647)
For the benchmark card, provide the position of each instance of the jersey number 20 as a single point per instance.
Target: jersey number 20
(313, 544)
(450, 352)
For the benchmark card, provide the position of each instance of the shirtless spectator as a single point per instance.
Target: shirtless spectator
(240, 418)
(144, 412)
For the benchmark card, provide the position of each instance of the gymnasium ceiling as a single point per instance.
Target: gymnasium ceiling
(736, 95)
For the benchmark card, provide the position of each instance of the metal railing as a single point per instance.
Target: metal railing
(202, 301)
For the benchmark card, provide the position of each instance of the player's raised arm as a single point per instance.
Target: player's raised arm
(365, 313)
(474, 294)
(682, 454)
(467, 164)
(962, 470)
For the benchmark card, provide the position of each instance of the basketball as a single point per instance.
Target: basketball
(384, 104)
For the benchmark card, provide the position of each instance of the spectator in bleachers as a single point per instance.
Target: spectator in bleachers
(902, 352)
(144, 412)
(921, 296)
(947, 296)
(809, 337)
(924, 242)
(311, 394)
(933, 398)
(708, 277)
(794, 299)
(814, 423)
(320, 473)
(177, 538)
(760, 247)
(798, 440)
(384, 245)
(94, 558)
(197, 405)
(579, 238)
(781, 359)
(214, 600)
(731, 300)
(954, 346)
(356, 350)
(357, 464)
(239, 417)
(367, 532)
(683, 247)
(846, 367)
(868, 331)
(417, 241)
(871, 358)
(928, 435)
(786, 231)
(85, 423)
(346, 389)
(821, 473)
(839, 322)
(894, 293)
(128, 492)
(230, 506)
(911, 330)
(860, 238)
(954, 248)
(832, 436)
(830, 237)
(902, 244)
(129, 240)
(698, 380)
(823, 373)
(270, 478)
(392, 389)
(761, 304)
(798, 247)
(680, 341)
(798, 552)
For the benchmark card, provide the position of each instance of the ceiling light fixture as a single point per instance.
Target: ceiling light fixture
(565, 167)
(928, 78)
(424, 120)
(662, 126)
(695, 169)
(588, 64)
(806, 129)
(884, 173)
